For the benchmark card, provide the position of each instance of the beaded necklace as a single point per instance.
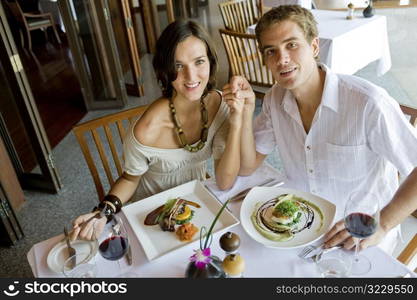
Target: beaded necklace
(180, 132)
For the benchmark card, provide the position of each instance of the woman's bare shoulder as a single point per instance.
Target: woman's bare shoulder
(148, 128)
(214, 101)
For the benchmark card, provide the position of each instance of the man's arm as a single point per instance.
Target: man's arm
(402, 205)
(227, 167)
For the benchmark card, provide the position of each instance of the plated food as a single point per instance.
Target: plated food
(157, 243)
(284, 218)
(280, 218)
(175, 212)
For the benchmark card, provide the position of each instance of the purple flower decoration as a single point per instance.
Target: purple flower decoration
(201, 258)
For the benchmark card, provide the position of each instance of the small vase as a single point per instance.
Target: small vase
(369, 10)
(213, 269)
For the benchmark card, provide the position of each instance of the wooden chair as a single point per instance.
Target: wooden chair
(31, 21)
(246, 60)
(409, 252)
(239, 14)
(97, 142)
(412, 113)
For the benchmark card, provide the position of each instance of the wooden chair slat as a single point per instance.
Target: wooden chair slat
(245, 59)
(409, 251)
(237, 15)
(89, 131)
(80, 136)
(103, 157)
(113, 150)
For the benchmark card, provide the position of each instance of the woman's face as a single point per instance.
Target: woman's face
(193, 68)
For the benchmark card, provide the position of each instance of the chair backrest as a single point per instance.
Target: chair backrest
(411, 112)
(408, 254)
(16, 11)
(239, 14)
(245, 59)
(97, 142)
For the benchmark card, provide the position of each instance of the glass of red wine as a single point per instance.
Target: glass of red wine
(113, 241)
(361, 221)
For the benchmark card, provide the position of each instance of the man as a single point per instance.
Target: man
(335, 133)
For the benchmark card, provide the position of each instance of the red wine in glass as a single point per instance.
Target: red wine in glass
(361, 225)
(114, 242)
(361, 218)
(114, 248)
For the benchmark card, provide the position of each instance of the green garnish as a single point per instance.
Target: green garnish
(287, 208)
(167, 208)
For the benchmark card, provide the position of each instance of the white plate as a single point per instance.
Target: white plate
(156, 242)
(59, 253)
(307, 236)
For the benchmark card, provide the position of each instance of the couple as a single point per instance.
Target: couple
(335, 133)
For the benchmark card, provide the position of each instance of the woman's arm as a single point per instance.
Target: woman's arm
(227, 167)
(124, 188)
(239, 87)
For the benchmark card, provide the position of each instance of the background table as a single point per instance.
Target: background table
(346, 46)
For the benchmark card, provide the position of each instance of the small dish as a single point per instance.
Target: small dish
(59, 253)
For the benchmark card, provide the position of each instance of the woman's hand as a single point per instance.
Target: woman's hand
(236, 108)
(339, 235)
(239, 88)
(90, 230)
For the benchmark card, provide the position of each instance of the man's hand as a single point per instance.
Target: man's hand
(339, 235)
(239, 88)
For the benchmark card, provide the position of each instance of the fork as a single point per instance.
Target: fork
(307, 250)
(71, 250)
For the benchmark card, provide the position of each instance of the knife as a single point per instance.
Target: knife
(317, 253)
(242, 194)
(129, 256)
(71, 250)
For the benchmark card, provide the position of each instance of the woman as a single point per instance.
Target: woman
(170, 144)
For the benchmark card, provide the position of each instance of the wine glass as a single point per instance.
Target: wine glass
(80, 265)
(113, 241)
(361, 221)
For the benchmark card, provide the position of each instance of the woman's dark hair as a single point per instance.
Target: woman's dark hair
(164, 59)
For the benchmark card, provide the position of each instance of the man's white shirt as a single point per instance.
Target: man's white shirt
(358, 139)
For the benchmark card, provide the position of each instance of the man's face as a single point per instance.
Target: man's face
(288, 54)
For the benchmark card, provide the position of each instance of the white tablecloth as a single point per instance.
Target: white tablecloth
(260, 261)
(346, 46)
(272, 3)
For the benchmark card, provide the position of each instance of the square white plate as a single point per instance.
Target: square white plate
(305, 237)
(156, 242)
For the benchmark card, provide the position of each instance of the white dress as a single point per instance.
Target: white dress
(162, 169)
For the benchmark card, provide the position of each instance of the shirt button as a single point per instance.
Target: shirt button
(308, 147)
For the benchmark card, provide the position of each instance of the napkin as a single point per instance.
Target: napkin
(263, 173)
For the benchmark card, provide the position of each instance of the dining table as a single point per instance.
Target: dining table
(346, 46)
(260, 261)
